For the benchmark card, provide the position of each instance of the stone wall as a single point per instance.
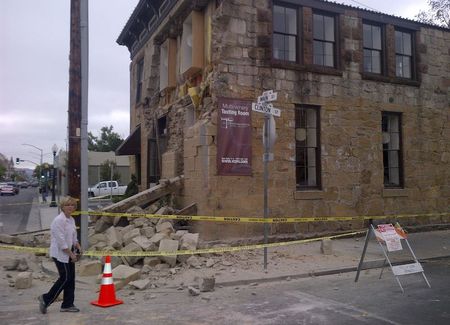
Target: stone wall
(351, 144)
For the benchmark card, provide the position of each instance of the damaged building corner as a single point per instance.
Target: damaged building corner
(360, 131)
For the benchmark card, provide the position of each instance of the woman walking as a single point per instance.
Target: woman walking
(62, 251)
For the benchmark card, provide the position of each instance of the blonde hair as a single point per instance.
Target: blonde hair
(67, 200)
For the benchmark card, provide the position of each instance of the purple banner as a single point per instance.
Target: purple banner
(234, 143)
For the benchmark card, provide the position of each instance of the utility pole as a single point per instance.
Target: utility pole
(74, 122)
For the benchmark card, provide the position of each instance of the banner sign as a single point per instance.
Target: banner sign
(387, 233)
(234, 143)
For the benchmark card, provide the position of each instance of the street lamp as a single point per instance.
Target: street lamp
(42, 151)
(53, 202)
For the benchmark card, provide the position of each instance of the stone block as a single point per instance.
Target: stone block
(114, 237)
(23, 265)
(90, 268)
(148, 231)
(102, 224)
(158, 237)
(326, 247)
(128, 237)
(126, 229)
(165, 227)
(188, 242)
(169, 245)
(178, 234)
(206, 284)
(144, 243)
(6, 239)
(124, 274)
(151, 261)
(11, 264)
(141, 222)
(140, 284)
(193, 261)
(132, 247)
(23, 280)
(95, 239)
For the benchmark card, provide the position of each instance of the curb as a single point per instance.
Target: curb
(375, 264)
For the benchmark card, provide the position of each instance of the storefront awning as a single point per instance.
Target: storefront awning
(131, 145)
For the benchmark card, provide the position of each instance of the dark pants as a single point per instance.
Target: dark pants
(66, 282)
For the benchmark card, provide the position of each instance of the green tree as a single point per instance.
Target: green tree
(105, 171)
(108, 140)
(438, 13)
(2, 172)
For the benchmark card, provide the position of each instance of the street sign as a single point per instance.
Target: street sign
(268, 96)
(266, 108)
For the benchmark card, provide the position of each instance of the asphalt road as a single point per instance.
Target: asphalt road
(15, 209)
(325, 300)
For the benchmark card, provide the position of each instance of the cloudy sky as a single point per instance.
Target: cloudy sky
(34, 67)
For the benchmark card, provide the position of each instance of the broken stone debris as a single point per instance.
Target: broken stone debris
(23, 280)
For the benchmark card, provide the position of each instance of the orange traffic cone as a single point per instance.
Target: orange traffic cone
(107, 296)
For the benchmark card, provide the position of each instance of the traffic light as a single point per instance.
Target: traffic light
(17, 161)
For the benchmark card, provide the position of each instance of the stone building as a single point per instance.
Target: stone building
(364, 99)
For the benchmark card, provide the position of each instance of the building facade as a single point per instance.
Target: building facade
(363, 96)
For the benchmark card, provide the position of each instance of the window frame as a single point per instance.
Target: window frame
(412, 56)
(335, 42)
(318, 154)
(298, 31)
(139, 80)
(400, 166)
(382, 50)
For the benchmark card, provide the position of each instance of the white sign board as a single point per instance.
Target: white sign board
(387, 233)
(407, 269)
(264, 108)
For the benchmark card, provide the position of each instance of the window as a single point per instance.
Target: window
(324, 40)
(167, 71)
(284, 33)
(372, 48)
(392, 151)
(403, 54)
(139, 80)
(192, 44)
(307, 149)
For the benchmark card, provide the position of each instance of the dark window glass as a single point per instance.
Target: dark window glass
(284, 33)
(324, 40)
(139, 80)
(392, 149)
(372, 48)
(403, 54)
(307, 149)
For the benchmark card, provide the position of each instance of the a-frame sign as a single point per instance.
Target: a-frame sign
(390, 240)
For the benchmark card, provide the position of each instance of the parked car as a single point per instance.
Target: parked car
(15, 186)
(6, 189)
(23, 184)
(107, 188)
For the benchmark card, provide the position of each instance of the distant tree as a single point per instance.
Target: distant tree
(2, 172)
(105, 171)
(438, 13)
(107, 141)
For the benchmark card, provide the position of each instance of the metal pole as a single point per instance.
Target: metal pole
(266, 178)
(110, 179)
(84, 31)
(53, 202)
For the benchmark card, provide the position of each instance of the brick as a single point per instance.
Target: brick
(169, 245)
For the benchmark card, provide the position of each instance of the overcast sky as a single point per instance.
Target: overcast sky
(34, 69)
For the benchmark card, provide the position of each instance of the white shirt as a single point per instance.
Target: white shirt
(63, 235)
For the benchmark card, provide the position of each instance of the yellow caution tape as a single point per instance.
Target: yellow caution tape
(186, 252)
(235, 219)
(22, 203)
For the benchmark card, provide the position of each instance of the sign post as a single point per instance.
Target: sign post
(391, 236)
(263, 106)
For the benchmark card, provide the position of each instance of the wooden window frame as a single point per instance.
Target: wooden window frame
(297, 34)
(317, 150)
(382, 50)
(387, 178)
(324, 41)
(412, 56)
(139, 79)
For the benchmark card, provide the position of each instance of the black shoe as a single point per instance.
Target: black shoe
(42, 305)
(71, 309)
